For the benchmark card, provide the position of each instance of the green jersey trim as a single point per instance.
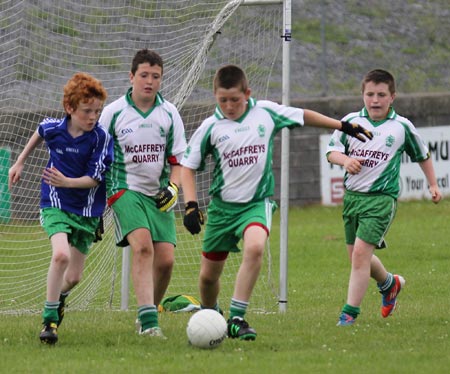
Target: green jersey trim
(117, 174)
(158, 101)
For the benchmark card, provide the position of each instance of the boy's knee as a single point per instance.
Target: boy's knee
(60, 258)
(73, 280)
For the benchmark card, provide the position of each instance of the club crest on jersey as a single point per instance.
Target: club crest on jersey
(390, 141)
(261, 130)
(162, 132)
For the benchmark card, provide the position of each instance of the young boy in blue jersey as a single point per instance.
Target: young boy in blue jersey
(239, 137)
(372, 173)
(73, 193)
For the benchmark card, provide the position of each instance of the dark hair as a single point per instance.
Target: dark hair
(82, 88)
(146, 56)
(230, 76)
(379, 76)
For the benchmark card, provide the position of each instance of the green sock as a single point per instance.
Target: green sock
(148, 316)
(238, 308)
(351, 310)
(50, 313)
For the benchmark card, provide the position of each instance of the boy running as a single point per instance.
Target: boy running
(371, 181)
(73, 194)
(142, 185)
(239, 137)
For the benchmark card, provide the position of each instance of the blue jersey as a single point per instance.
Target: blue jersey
(90, 155)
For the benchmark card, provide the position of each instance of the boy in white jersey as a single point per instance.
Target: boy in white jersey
(73, 190)
(371, 183)
(149, 142)
(239, 137)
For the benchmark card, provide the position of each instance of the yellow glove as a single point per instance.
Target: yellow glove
(167, 198)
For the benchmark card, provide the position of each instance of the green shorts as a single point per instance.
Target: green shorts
(134, 210)
(227, 221)
(80, 230)
(368, 217)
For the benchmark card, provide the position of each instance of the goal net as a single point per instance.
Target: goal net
(42, 44)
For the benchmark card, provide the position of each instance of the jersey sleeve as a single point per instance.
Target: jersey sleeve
(177, 138)
(106, 118)
(283, 115)
(102, 155)
(338, 142)
(415, 147)
(198, 147)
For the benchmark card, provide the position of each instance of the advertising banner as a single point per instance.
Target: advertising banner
(413, 184)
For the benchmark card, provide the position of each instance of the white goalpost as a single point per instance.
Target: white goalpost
(284, 187)
(42, 44)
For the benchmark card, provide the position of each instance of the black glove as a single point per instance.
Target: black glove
(355, 130)
(167, 198)
(193, 218)
(99, 231)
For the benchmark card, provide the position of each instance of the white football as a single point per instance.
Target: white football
(206, 329)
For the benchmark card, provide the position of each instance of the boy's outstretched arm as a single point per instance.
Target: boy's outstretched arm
(317, 119)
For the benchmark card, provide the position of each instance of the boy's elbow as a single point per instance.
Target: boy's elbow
(328, 156)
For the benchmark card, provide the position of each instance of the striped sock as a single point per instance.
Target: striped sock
(238, 308)
(148, 316)
(50, 313)
(387, 284)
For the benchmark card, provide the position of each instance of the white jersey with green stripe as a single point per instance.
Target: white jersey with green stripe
(380, 157)
(145, 144)
(242, 150)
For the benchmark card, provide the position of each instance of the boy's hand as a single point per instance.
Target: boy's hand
(435, 194)
(14, 174)
(355, 130)
(167, 198)
(99, 231)
(193, 218)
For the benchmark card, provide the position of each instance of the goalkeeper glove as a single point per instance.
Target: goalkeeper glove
(167, 198)
(99, 231)
(193, 218)
(355, 130)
